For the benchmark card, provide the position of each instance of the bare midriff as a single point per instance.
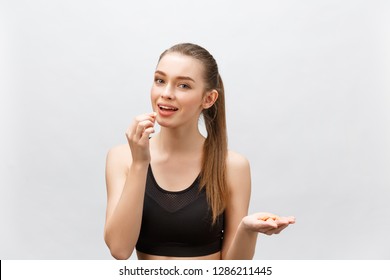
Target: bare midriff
(143, 256)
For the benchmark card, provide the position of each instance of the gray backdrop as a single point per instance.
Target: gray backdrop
(308, 104)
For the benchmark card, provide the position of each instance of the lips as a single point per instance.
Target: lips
(166, 107)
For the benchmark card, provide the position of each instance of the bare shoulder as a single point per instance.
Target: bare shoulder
(119, 156)
(236, 162)
(118, 163)
(238, 171)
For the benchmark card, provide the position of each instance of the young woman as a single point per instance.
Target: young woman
(179, 194)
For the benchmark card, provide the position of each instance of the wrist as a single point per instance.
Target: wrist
(245, 226)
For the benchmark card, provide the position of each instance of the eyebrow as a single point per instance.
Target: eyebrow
(179, 77)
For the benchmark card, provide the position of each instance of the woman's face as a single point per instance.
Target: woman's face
(178, 90)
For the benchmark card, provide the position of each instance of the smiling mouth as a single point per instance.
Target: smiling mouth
(167, 108)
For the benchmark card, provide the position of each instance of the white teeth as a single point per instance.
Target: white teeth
(168, 108)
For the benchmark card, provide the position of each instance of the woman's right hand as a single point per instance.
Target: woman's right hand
(138, 137)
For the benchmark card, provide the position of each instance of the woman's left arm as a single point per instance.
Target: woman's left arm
(241, 230)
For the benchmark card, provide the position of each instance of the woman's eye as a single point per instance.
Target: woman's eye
(158, 81)
(184, 86)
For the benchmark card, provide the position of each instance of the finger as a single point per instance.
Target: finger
(275, 230)
(282, 221)
(291, 219)
(131, 130)
(269, 232)
(152, 116)
(145, 117)
(141, 127)
(146, 133)
(279, 229)
(272, 223)
(135, 131)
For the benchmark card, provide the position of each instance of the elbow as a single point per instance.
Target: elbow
(118, 251)
(120, 254)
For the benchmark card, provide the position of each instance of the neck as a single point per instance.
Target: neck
(179, 141)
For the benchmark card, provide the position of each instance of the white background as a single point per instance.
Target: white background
(308, 103)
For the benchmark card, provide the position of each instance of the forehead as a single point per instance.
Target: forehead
(175, 64)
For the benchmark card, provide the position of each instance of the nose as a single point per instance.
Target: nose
(167, 93)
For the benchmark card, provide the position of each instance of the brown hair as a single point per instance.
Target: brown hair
(213, 172)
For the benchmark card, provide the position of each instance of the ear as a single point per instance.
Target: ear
(210, 98)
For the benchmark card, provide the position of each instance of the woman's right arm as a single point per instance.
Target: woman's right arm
(125, 180)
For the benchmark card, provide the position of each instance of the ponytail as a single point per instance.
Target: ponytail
(213, 173)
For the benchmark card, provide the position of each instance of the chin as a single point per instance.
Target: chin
(163, 123)
(168, 123)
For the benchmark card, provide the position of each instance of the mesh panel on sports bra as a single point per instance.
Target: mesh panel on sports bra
(171, 201)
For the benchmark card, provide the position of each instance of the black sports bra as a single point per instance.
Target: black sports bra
(178, 224)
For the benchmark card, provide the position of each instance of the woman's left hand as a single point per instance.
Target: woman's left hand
(266, 223)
